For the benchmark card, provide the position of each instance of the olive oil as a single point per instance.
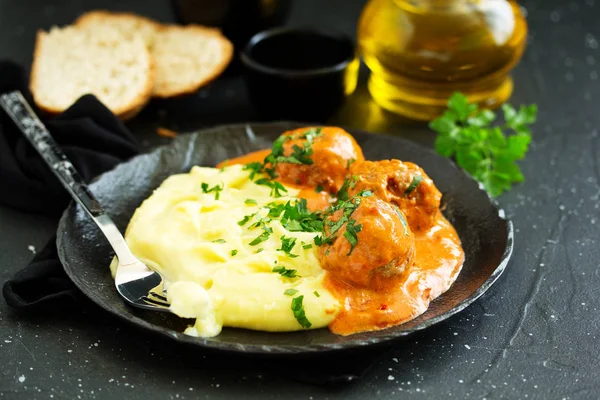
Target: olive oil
(421, 51)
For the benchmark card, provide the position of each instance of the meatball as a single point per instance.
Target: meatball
(403, 184)
(325, 156)
(379, 244)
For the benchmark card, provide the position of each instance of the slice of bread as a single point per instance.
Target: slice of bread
(186, 57)
(128, 24)
(70, 62)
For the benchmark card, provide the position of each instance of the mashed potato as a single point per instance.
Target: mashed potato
(220, 270)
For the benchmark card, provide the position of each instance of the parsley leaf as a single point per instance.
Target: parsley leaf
(297, 218)
(402, 220)
(290, 292)
(288, 273)
(317, 293)
(260, 238)
(299, 313)
(250, 202)
(287, 244)
(276, 187)
(487, 152)
(416, 180)
(254, 168)
(301, 155)
(351, 234)
(216, 189)
(245, 220)
(233, 252)
(320, 240)
(342, 194)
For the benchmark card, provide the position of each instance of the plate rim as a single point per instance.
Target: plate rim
(278, 350)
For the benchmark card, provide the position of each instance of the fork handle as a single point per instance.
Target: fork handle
(34, 130)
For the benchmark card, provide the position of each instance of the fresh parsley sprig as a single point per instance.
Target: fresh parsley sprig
(485, 151)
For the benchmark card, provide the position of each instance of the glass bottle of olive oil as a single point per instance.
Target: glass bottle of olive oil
(421, 51)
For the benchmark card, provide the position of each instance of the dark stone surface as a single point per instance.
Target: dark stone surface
(534, 335)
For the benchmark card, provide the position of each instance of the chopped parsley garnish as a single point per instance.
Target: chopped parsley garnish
(342, 194)
(287, 244)
(306, 246)
(217, 189)
(288, 273)
(262, 222)
(219, 241)
(402, 220)
(300, 154)
(260, 238)
(250, 201)
(276, 187)
(413, 185)
(254, 168)
(350, 161)
(351, 234)
(319, 188)
(299, 314)
(245, 220)
(290, 292)
(320, 240)
(276, 150)
(222, 169)
(295, 217)
(347, 207)
(233, 253)
(259, 250)
(317, 293)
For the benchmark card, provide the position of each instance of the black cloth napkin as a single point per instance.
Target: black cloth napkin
(94, 140)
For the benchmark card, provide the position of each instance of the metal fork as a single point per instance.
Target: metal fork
(134, 280)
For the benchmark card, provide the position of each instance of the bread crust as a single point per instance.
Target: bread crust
(101, 15)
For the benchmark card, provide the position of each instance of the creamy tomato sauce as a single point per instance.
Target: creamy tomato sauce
(437, 262)
(399, 252)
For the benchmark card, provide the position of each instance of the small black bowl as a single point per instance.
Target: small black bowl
(299, 73)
